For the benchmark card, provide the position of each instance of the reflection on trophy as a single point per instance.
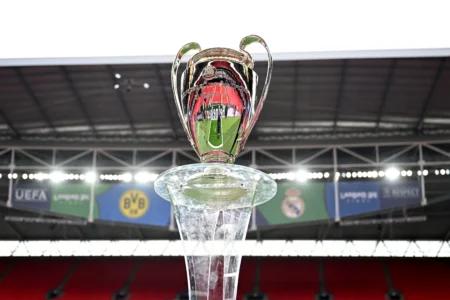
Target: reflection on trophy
(213, 200)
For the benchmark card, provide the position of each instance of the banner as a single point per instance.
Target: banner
(294, 202)
(73, 199)
(134, 204)
(362, 197)
(313, 201)
(354, 198)
(131, 203)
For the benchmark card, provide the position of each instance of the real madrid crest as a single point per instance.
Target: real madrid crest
(293, 205)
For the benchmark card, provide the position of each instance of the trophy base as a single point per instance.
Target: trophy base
(213, 203)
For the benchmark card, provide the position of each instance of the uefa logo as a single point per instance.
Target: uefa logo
(293, 205)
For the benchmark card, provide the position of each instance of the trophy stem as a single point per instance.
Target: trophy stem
(213, 204)
(213, 268)
(217, 156)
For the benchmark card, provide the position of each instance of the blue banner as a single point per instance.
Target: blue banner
(139, 203)
(354, 198)
(32, 195)
(398, 194)
(133, 203)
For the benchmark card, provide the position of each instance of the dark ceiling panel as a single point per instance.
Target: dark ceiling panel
(381, 93)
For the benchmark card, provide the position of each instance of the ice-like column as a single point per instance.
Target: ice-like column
(213, 204)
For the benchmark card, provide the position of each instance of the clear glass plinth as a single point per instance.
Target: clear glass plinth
(213, 203)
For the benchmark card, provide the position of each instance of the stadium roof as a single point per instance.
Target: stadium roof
(307, 100)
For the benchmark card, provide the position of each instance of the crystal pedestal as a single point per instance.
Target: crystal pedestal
(213, 203)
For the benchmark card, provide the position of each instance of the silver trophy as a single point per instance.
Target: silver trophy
(217, 103)
(213, 200)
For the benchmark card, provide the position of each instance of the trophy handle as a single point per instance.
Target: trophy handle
(176, 64)
(248, 40)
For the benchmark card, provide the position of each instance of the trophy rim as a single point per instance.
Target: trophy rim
(267, 187)
(222, 54)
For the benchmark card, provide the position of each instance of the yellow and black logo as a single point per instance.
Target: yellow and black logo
(134, 204)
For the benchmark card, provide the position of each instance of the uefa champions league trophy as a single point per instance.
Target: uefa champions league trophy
(213, 200)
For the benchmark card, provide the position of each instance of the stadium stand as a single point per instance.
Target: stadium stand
(281, 279)
(246, 277)
(4, 264)
(31, 279)
(159, 279)
(355, 279)
(97, 279)
(421, 279)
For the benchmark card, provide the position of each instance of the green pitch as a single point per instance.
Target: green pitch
(218, 135)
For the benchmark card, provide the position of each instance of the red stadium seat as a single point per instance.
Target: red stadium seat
(4, 264)
(96, 279)
(421, 279)
(287, 279)
(31, 279)
(246, 276)
(281, 279)
(159, 279)
(355, 279)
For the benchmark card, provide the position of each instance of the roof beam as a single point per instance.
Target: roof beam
(167, 100)
(79, 232)
(426, 104)
(386, 91)
(123, 103)
(295, 98)
(79, 99)
(9, 123)
(35, 99)
(266, 248)
(340, 94)
(327, 230)
(311, 143)
(14, 229)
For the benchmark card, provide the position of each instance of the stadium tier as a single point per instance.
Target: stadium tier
(280, 279)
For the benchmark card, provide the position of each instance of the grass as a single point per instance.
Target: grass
(209, 139)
